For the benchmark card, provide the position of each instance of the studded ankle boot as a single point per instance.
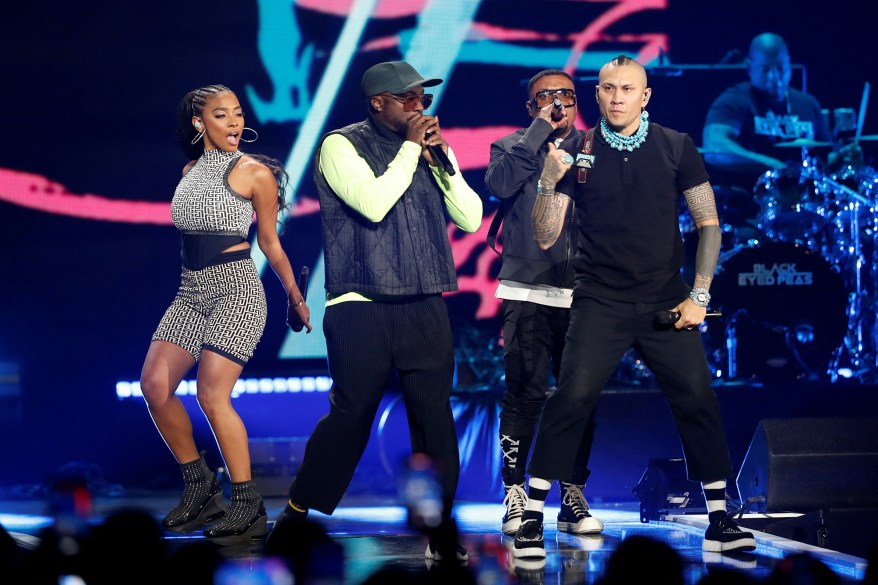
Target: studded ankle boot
(245, 521)
(202, 500)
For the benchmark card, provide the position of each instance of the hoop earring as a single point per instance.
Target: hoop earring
(255, 135)
(197, 137)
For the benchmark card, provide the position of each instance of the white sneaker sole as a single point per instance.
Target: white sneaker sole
(532, 552)
(742, 544)
(588, 525)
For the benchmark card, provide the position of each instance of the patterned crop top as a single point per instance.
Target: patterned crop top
(210, 215)
(204, 202)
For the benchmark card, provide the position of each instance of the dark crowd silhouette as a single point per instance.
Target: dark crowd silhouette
(130, 547)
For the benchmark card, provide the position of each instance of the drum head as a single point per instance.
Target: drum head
(787, 308)
(791, 206)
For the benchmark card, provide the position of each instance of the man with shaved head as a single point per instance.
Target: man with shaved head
(625, 185)
(748, 119)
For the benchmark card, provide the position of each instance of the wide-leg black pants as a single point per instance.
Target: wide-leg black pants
(600, 332)
(366, 342)
(533, 343)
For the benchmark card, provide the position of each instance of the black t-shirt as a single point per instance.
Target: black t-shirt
(761, 122)
(627, 213)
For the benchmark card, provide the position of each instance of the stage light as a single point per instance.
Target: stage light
(128, 389)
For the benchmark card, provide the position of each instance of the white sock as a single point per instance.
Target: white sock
(715, 495)
(538, 490)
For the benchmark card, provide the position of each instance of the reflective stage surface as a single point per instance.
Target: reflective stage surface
(372, 537)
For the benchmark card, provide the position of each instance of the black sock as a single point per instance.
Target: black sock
(246, 505)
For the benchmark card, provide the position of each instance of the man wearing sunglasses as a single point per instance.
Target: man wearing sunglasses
(628, 272)
(536, 287)
(383, 201)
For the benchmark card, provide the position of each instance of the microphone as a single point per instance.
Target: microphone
(556, 109)
(440, 157)
(298, 325)
(671, 317)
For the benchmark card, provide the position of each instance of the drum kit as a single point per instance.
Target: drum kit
(797, 285)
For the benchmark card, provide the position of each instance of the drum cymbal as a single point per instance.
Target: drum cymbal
(803, 143)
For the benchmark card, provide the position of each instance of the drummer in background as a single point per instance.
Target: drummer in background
(748, 119)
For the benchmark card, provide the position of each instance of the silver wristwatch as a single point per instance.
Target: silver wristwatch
(700, 296)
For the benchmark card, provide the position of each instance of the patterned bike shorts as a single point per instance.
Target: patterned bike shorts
(220, 308)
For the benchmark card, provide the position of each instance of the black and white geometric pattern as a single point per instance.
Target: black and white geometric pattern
(204, 202)
(221, 308)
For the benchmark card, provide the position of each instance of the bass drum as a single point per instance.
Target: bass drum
(784, 313)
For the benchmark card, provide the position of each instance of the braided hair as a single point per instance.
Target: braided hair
(193, 104)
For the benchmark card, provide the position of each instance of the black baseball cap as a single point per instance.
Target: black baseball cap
(393, 77)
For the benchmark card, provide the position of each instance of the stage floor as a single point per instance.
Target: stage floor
(374, 536)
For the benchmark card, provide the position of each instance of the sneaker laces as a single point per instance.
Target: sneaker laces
(727, 522)
(515, 500)
(574, 499)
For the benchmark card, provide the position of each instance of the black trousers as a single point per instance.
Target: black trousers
(533, 343)
(366, 342)
(600, 332)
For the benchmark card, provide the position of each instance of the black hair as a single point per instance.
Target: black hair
(193, 104)
(621, 60)
(280, 175)
(545, 73)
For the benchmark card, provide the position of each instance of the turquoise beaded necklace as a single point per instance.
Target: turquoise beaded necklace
(629, 143)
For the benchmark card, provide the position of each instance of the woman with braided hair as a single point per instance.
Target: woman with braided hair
(219, 312)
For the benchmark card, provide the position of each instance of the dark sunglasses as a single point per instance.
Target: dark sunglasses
(410, 102)
(545, 97)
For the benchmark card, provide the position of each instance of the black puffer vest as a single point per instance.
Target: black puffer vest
(407, 252)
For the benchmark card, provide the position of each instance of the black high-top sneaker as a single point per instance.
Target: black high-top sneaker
(515, 501)
(724, 535)
(574, 516)
(529, 539)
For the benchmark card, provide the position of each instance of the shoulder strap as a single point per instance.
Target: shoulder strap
(585, 159)
(494, 229)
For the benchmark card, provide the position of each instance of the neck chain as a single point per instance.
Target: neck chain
(629, 143)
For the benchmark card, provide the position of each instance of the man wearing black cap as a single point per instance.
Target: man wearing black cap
(388, 260)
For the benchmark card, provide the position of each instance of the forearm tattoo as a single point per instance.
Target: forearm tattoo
(706, 255)
(701, 202)
(548, 217)
(702, 207)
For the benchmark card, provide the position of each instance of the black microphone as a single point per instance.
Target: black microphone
(303, 288)
(439, 156)
(671, 317)
(556, 110)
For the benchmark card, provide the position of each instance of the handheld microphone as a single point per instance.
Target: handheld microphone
(671, 317)
(440, 157)
(303, 288)
(556, 109)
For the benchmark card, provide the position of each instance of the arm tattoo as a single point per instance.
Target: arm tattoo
(702, 207)
(701, 202)
(706, 255)
(548, 217)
